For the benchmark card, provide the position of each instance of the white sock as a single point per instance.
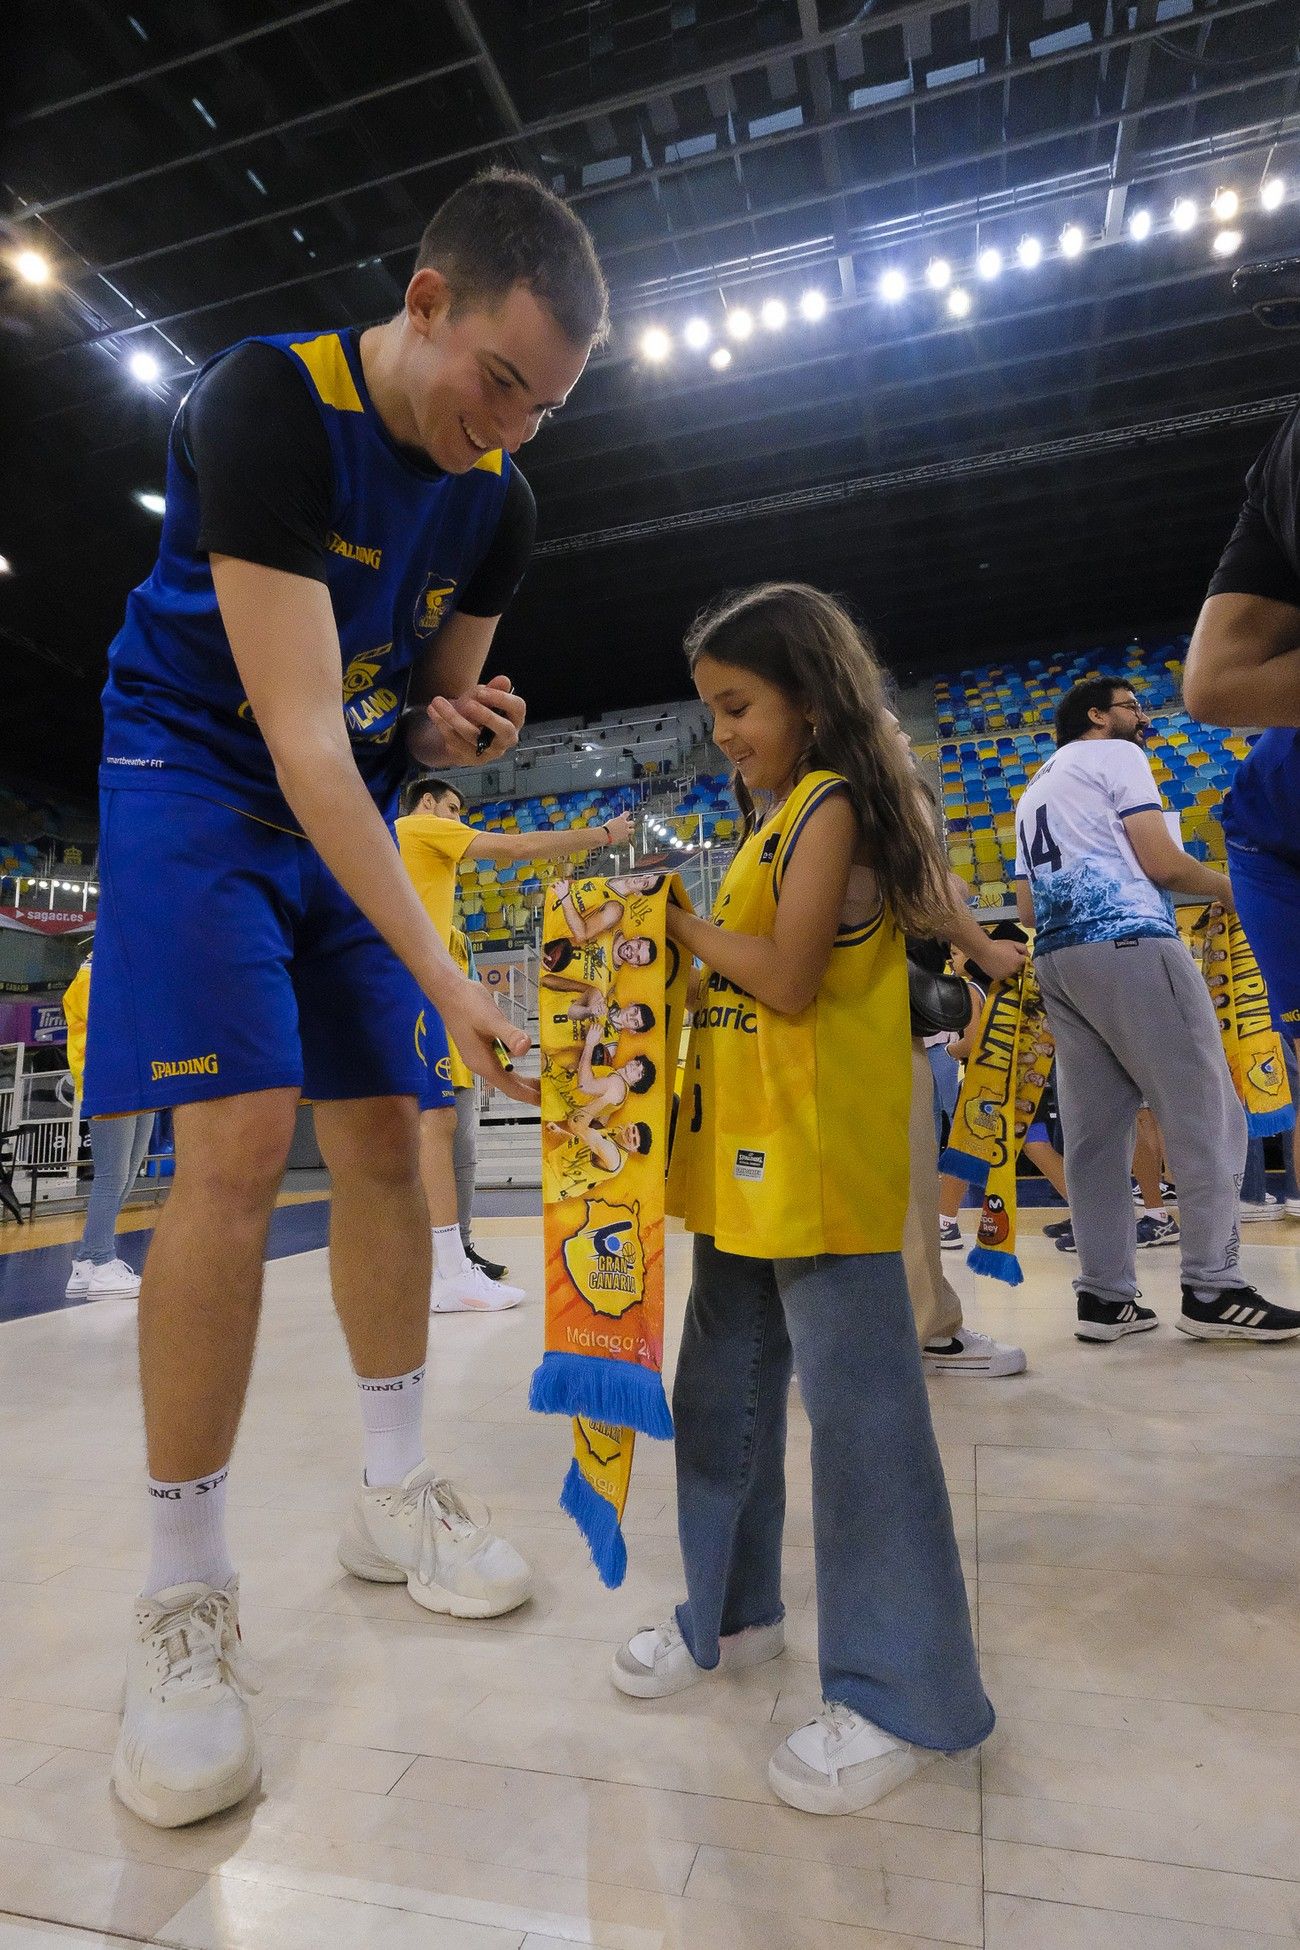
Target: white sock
(187, 1531)
(449, 1251)
(392, 1420)
(1154, 1212)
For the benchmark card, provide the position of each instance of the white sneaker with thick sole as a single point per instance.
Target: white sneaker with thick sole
(187, 1747)
(472, 1292)
(79, 1279)
(1251, 1210)
(422, 1535)
(656, 1662)
(840, 1762)
(971, 1353)
(1293, 1208)
(115, 1278)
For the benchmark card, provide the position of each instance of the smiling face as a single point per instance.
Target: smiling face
(468, 382)
(758, 726)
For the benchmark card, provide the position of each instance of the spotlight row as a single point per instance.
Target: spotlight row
(894, 284)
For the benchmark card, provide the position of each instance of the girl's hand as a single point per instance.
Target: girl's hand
(674, 919)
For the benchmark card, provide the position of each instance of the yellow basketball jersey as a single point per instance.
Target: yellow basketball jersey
(792, 1131)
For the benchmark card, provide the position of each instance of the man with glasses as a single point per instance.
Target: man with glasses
(1096, 866)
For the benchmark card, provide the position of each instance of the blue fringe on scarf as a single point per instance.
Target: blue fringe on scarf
(960, 1164)
(996, 1266)
(605, 1391)
(596, 1520)
(1269, 1123)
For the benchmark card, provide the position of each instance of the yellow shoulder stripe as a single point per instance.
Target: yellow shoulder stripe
(490, 463)
(331, 375)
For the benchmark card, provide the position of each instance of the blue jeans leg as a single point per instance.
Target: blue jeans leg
(729, 1402)
(1254, 1181)
(893, 1624)
(117, 1146)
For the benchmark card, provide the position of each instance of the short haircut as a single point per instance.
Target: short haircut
(1093, 694)
(644, 1013)
(647, 1077)
(504, 228)
(642, 1139)
(414, 790)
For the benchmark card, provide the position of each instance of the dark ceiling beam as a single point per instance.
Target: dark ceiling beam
(140, 75)
(747, 146)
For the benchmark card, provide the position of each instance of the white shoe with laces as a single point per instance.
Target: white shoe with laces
(655, 1661)
(79, 1279)
(187, 1747)
(969, 1352)
(840, 1762)
(472, 1292)
(421, 1534)
(114, 1278)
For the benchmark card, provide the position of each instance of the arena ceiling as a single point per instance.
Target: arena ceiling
(1063, 461)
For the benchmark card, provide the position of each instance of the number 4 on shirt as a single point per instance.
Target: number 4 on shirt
(1043, 850)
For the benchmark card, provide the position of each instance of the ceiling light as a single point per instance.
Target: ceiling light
(697, 333)
(720, 358)
(1139, 226)
(1225, 205)
(938, 273)
(892, 286)
(153, 504)
(144, 367)
(959, 302)
(6, 566)
(1273, 194)
(813, 306)
(1029, 253)
(774, 313)
(1226, 242)
(1072, 241)
(740, 323)
(655, 345)
(989, 264)
(1184, 214)
(32, 268)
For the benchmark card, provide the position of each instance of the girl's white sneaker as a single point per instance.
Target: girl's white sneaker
(840, 1762)
(656, 1662)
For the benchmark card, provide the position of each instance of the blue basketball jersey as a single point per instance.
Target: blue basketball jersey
(1262, 809)
(401, 545)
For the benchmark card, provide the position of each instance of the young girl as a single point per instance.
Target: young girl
(790, 1167)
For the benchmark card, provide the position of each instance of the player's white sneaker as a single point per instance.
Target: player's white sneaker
(422, 1535)
(187, 1747)
(471, 1292)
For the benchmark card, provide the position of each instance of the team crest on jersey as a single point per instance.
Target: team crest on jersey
(432, 603)
(366, 702)
(604, 1257)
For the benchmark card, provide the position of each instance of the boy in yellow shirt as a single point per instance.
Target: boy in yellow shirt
(434, 839)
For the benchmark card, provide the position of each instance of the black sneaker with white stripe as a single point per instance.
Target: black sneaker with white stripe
(1236, 1313)
(1111, 1320)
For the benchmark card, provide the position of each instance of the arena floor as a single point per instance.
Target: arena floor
(1128, 1521)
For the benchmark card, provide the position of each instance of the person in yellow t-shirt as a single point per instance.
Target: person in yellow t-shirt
(790, 1166)
(434, 838)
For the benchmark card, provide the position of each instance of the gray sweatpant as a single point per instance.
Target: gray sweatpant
(1133, 1021)
(464, 1157)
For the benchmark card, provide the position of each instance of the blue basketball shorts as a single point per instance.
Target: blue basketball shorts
(1266, 887)
(228, 959)
(434, 1052)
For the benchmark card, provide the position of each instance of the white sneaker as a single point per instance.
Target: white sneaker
(1293, 1208)
(421, 1535)
(1251, 1210)
(79, 1279)
(656, 1662)
(187, 1747)
(971, 1353)
(472, 1292)
(841, 1762)
(115, 1278)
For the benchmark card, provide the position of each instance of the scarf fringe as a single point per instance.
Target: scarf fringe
(960, 1164)
(604, 1391)
(598, 1522)
(1270, 1123)
(995, 1265)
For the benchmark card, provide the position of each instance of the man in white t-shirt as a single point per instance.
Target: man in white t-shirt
(1096, 865)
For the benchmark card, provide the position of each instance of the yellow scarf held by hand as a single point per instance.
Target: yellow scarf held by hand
(611, 996)
(1250, 1042)
(1006, 1074)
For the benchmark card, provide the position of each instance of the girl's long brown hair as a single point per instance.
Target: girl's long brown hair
(802, 641)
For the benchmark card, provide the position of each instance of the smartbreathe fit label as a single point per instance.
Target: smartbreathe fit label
(750, 1164)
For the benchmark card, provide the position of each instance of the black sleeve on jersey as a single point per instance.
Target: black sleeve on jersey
(501, 571)
(254, 442)
(1263, 557)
